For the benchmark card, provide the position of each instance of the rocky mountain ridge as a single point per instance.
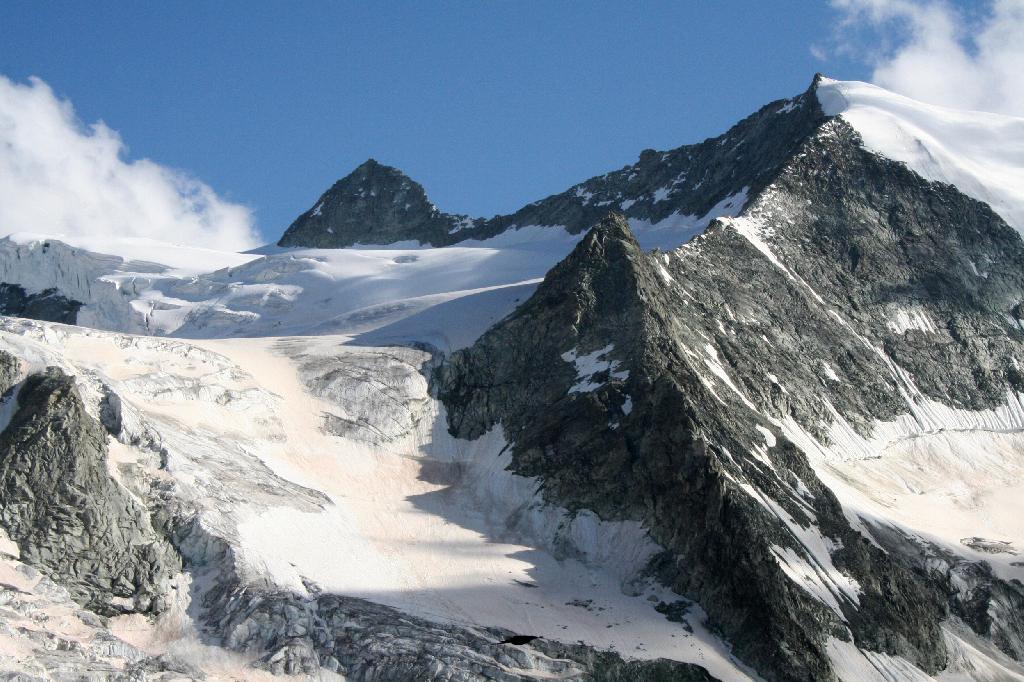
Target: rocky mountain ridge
(789, 313)
(787, 448)
(681, 186)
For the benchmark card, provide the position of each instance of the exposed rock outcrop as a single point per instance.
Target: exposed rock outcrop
(992, 607)
(645, 438)
(10, 370)
(47, 636)
(49, 305)
(374, 204)
(659, 388)
(69, 518)
(367, 641)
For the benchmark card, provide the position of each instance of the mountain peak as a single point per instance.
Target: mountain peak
(607, 269)
(371, 175)
(374, 204)
(609, 241)
(372, 166)
(611, 232)
(612, 226)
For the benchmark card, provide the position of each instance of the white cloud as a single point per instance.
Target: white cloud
(934, 52)
(58, 176)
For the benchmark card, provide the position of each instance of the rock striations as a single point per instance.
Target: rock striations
(645, 438)
(664, 388)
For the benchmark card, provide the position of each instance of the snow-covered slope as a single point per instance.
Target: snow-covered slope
(981, 153)
(179, 260)
(153, 288)
(693, 434)
(325, 467)
(287, 291)
(117, 280)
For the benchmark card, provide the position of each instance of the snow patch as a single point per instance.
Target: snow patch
(715, 365)
(461, 224)
(829, 372)
(789, 106)
(677, 229)
(912, 317)
(769, 437)
(595, 364)
(812, 569)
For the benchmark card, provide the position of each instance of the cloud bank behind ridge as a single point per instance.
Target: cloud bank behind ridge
(60, 177)
(936, 52)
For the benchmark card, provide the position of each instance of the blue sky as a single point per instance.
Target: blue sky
(489, 105)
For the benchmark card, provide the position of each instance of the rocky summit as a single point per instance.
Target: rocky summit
(748, 409)
(374, 204)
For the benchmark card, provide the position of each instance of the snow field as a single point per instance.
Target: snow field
(981, 153)
(422, 522)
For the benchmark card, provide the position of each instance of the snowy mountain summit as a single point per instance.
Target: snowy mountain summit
(745, 409)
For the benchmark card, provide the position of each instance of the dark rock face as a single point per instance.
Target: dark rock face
(49, 305)
(865, 239)
(689, 180)
(10, 369)
(693, 360)
(375, 204)
(379, 205)
(70, 519)
(673, 459)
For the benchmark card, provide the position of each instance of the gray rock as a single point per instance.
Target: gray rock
(10, 371)
(48, 305)
(70, 519)
(375, 204)
(991, 607)
(374, 643)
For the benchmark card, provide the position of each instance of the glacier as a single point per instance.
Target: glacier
(285, 391)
